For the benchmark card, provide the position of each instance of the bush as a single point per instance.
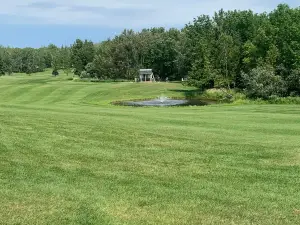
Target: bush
(91, 70)
(84, 75)
(262, 82)
(55, 72)
(287, 100)
(223, 94)
(76, 79)
(293, 82)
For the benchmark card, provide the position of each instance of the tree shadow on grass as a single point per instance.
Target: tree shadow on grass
(189, 94)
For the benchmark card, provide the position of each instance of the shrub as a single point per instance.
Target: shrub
(84, 75)
(293, 82)
(76, 79)
(91, 70)
(262, 82)
(223, 94)
(287, 100)
(55, 72)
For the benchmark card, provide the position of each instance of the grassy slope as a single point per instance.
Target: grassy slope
(68, 157)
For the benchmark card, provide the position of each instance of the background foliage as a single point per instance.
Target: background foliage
(232, 49)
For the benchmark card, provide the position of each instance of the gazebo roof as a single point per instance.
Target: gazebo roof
(146, 71)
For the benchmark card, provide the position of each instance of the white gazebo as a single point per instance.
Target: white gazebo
(146, 75)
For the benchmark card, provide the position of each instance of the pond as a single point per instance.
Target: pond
(165, 102)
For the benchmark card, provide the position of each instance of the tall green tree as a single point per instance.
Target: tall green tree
(82, 53)
(66, 63)
(2, 71)
(227, 61)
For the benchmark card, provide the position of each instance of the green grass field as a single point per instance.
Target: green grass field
(69, 157)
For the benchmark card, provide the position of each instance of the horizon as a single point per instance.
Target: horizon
(62, 22)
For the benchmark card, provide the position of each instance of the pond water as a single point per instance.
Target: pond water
(165, 102)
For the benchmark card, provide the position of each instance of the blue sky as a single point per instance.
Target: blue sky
(39, 22)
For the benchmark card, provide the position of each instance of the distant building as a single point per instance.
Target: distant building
(185, 78)
(146, 75)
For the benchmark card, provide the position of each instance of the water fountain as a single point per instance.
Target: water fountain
(162, 98)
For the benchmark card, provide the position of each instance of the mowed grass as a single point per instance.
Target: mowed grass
(69, 157)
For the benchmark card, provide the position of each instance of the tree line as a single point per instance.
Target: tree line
(255, 52)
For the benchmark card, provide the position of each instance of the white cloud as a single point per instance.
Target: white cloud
(123, 13)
